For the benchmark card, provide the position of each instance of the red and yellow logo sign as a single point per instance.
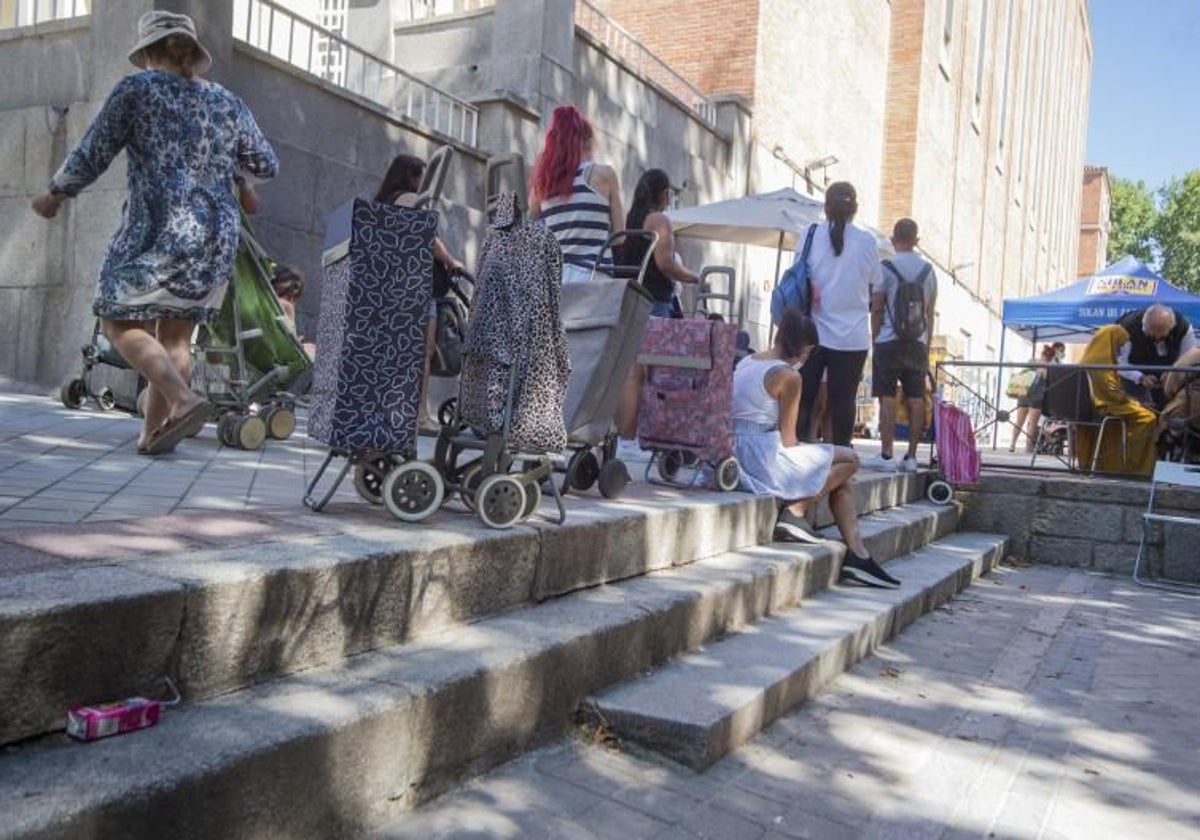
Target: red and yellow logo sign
(1123, 285)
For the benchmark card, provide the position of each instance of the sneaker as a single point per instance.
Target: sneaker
(792, 528)
(880, 463)
(628, 450)
(908, 465)
(865, 571)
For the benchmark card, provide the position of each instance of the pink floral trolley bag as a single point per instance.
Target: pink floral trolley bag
(958, 455)
(687, 400)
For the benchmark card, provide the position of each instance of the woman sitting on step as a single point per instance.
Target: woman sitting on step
(766, 403)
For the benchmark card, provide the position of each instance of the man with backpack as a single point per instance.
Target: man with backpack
(901, 323)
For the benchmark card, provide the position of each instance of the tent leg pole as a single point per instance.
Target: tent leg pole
(999, 385)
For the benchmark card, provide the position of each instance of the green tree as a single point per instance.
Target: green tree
(1177, 231)
(1133, 221)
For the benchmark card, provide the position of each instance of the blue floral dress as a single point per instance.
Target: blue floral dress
(185, 139)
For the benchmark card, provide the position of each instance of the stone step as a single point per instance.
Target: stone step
(700, 707)
(222, 619)
(334, 751)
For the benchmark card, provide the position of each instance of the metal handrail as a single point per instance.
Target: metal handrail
(29, 12)
(267, 26)
(638, 57)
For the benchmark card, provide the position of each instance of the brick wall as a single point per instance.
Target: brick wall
(1094, 221)
(712, 44)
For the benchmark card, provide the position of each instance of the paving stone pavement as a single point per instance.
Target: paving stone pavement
(1042, 703)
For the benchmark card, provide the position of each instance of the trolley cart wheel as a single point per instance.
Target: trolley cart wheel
(582, 471)
(72, 393)
(445, 413)
(106, 400)
(533, 498)
(939, 492)
(670, 464)
(225, 424)
(369, 475)
(469, 485)
(614, 477)
(413, 490)
(249, 432)
(281, 422)
(728, 474)
(501, 501)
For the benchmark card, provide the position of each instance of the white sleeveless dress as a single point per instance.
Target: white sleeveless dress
(767, 466)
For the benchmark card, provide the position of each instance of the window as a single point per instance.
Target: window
(1001, 142)
(1023, 110)
(981, 54)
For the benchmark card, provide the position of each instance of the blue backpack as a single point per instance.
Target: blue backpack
(795, 287)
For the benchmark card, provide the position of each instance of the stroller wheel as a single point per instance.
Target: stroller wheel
(614, 477)
(939, 492)
(582, 470)
(281, 422)
(413, 490)
(72, 393)
(106, 399)
(670, 464)
(249, 432)
(445, 414)
(501, 501)
(533, 498)
(728, 474)
(369, 475)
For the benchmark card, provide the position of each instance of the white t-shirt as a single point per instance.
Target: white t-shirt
(842, 287)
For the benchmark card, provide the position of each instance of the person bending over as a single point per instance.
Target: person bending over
(766, 402)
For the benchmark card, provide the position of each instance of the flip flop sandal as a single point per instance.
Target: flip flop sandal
(170, 433)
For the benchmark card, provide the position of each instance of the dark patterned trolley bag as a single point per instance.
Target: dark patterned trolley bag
(371, 331)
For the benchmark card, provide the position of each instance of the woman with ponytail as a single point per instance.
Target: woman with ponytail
(577, 198)
(650, 199)
(766, 403)
(843, 265)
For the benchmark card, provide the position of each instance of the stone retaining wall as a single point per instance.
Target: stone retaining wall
(1090, 523)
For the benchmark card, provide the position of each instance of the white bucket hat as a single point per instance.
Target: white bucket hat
(157, 25)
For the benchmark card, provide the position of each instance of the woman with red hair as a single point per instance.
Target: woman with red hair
(577, 198)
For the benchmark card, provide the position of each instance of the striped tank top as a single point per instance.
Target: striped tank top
(579, 221)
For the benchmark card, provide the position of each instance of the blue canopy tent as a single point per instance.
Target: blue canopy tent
(1075, 312)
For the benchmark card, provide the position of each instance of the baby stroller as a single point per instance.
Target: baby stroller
(687, 400)
(604, 319)
(249, 364)
(957, 455)
(106, 378)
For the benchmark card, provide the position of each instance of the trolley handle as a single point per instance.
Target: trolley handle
(636, 274)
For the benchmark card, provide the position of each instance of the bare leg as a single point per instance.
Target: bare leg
(844, 466)
(887, 425)
(159, 362)
(1018, 427)
(916, 424)
(1035, 417)
(627, 408)
(181, 356)
(430, 348)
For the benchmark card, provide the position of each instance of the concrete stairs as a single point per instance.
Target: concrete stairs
(471, 648)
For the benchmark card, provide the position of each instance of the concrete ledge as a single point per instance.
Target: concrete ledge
(332, 752)
(701, 707)
(219, 619)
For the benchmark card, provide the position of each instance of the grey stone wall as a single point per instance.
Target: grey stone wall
(1089, 524)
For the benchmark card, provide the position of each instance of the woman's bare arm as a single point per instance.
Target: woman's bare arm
(664, 253)
(784, 385)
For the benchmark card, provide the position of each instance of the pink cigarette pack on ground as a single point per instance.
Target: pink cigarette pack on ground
(89, 723)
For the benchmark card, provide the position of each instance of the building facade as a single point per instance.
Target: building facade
(1095, 220)
(967, 115)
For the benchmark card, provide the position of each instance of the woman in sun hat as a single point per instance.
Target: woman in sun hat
(186, 141)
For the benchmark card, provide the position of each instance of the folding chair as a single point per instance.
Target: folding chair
(1068, 399)
(1183, 475)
